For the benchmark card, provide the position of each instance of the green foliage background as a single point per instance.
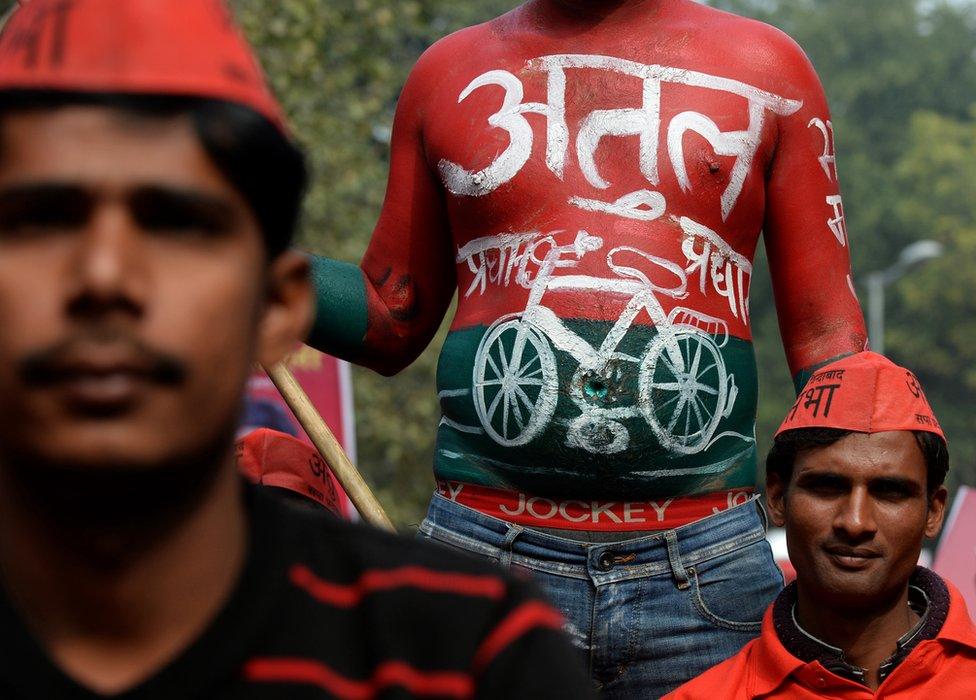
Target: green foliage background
(901, 79)
(338, 66)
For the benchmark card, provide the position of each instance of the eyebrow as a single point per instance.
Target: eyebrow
(213, 211)
(22, 200)
(890, 483)
(823, 477)
(184, 197)
(64, 205)
(40, 192)
(884, 483)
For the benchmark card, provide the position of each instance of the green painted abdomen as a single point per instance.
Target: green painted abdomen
(565, 412)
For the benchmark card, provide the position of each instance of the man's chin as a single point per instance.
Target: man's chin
(853, 591)
(110, 458)
(111, 481)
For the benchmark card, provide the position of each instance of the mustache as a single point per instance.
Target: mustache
(100, 351)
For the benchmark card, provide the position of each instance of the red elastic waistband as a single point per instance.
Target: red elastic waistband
(577, 514)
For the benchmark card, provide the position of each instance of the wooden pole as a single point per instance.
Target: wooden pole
(8, 15)
(330, 449)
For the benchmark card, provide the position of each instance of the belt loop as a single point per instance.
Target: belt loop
(674, 558)
(505, 558)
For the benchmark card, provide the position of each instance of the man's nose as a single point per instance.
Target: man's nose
(856, 518)
(109, 269)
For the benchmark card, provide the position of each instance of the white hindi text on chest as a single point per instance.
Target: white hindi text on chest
(643, 122)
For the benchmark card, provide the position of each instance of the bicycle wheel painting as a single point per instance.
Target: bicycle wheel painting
(514, 382)
(684, 389)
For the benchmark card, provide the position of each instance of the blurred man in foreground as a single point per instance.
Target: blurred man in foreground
(856, 476)
(148, 193)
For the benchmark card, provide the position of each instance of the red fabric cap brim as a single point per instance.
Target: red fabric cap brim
(865, 393)
(272, 458)
(134, 47)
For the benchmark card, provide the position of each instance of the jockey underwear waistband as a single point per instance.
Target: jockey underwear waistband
(591, 514)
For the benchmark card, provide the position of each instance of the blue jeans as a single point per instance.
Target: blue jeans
(647, 614)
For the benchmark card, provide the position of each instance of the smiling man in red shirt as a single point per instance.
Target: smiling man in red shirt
(855, 476)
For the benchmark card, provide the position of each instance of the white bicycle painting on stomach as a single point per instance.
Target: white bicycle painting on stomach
(683, 388)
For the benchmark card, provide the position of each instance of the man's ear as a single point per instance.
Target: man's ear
(776, 498)
(936, 514)
(288, 310)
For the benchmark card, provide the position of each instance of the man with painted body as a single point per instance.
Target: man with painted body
(855, 475)
(592, 178)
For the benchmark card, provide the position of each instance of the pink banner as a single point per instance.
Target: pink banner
(956, 557)
(327, 382)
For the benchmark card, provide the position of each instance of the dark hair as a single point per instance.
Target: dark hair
(786, 446)
(267, 169)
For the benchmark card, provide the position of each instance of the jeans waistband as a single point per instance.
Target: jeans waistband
(664, 552)
(591, 515)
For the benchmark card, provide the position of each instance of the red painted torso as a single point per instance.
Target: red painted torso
(594, 188)
(567, 96)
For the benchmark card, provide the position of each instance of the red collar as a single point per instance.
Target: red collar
(771, 665)
(958, 627)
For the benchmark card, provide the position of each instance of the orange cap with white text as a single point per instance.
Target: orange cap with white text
(162, 47)
(272, 458)
(865, 393)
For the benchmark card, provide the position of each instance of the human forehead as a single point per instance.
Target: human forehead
(106, 148)
(865, 456)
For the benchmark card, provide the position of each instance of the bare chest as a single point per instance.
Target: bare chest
(561, 141)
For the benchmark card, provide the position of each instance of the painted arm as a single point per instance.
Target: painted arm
(806, 234)
(383, 313)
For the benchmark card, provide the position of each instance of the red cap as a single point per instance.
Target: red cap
(865, 393)
(160, 47)
(275, 459)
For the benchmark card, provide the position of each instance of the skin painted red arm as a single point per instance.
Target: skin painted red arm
(806, 237)
(383, 315)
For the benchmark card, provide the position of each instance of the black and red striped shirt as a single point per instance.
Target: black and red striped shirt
(327, 609)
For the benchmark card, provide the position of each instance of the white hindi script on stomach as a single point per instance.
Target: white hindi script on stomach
(643, 121)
